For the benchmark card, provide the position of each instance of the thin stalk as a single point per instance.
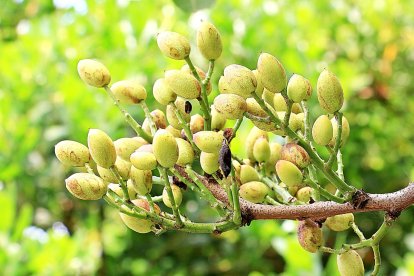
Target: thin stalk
(236, 128)
(256, 118)
(209, 72)
(323, 192)
(151, 202)
(272, 201)
(164, 174)
(187, 130)
(122, 182)
(128, 118)
(152, 125)
(377, 258)
(357, 231)
(338, 116)
(284, 195)
(89, 168)
(226, 187)
(340, 169)
(235, 194)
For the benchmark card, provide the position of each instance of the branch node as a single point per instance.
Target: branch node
(359, 199)
(247, 216)
(391, 216)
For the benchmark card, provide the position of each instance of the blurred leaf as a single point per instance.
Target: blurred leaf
(193, 5)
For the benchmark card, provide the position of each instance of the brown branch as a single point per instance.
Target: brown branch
(392, 203)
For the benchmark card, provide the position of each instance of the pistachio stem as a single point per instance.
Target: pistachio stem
(323, 192)
(209, 72)
(284, 195)
(150, 201)
(377, 258)
(338, 116)
(271, 201)
(357, 231)
(289, 104)
(235, 195)
(89, 168)
(128, 118)
(152, 125)
(187, 130)
(340, 169)
(226, 187)
(164, 174)
(236, 128)
(122, 182)
(256, 118)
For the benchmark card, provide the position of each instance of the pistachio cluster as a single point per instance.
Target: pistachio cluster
(177, 149)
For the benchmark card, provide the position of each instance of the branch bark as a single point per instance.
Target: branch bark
(392, 203)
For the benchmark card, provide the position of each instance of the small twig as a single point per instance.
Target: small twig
(152, 125)
(164, 174)
(338, 116)
(122, 182)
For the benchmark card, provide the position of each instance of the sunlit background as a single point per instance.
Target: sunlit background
(45, 231)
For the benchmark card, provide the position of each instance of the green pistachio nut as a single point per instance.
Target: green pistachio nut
(86, 186)
(267, 96)
(261, 149)
(218, 121)
(279, 103)
(208, 141)
(310, 236)
(175, 132)
(144, 160)
(209, 162)
(177, 194)
(209, 41)
(174, 45)
(101, 148)
(129, 91)
(340, 222)
(275, 150)
(123, 167)
(183, 84)
(118, 190)
(231, 106)
(146, 148)
(141, 180)
(255, 109)
(238, 80)
(200, 73)
(288, 173)
(350, 264)
(72, 153)
(305, 194)
(93, 73)
(196, 123)
(296, 154)
(124, 147)
(329, 90)
(107, 175)
(272, 73)
(162, 92)
(251, 138)
(172, 117)
(259, 87)
(344, 134)
(185, 152)
(322, 130)
(296, 108)
(254, 191)
(165, 148)
(139, 225)
(158, 117)
(293, 189)
(248, 174)
(296, 122)
(299, 88)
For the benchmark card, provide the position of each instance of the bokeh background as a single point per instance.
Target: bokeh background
(45, 231)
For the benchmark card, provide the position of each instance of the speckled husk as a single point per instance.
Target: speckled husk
(310, 236)
(174, 45)
(86, 186)
(261, 149)
(185, 152)
(72, 153)
(162, 92)
(129, 91)
(124, 147)
(208, 141)
(231, 106)
(93, 73)
(254, 191)
(350, 264)
(299, 88)
(322, 130)
(165, 148)
(177, 194)
(101, 148)
(183, 84)
(296, 154)
(272, 73)
(141, 180)
(329, 90)
(209, 41)
(137, 224)
(340, 222)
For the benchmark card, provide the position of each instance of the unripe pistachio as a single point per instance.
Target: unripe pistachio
(141, 180)
(296, 154)
(292, 189)
(72, 153)
(231, 106)
(137, 224)
(299, 88)
(322, 130)
(248, 174)
(107, 175)
(340, 222)
(272, 73)
(101, 148)
(255, 109)
(259, 86)
(144, 160)
(296, 122)
(208, 141)
(121, 165)
(261, 149)
(118, 190)
(288, 173)
(209, 162)
(162, 92)
(296, 108)
(200, 73)
(183, 84)
(254, 191)
(146, 148)
(329, 90)
(218, 121)
(172, 117)
(177, 194)
(209, 41)
(350, 264)
(237, 80)
(124, 147)
(159, 118)
(174, 45)
(267, 96)
(305, 194)
(344, 134)
(86, 186)
(251, 138)
(175, 132)
(279, 102)
(185, 152)
(310, 235)
(196, 123)
(165, 148)
(129, 91)
(275, 150)
(93, 73)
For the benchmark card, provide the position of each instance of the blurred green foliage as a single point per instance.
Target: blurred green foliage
(369, 45)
